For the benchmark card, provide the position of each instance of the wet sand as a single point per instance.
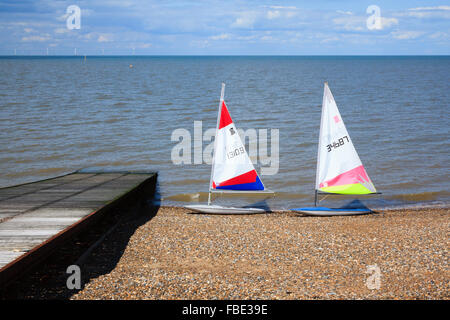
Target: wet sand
(281, 255)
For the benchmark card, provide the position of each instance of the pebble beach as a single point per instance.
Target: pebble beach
(395, 254)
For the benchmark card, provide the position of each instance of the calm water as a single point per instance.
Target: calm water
(62, 114)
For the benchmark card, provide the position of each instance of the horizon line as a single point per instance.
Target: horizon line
(225, 55)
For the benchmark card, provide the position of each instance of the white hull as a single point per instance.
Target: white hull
(331, 212)
(215, 209)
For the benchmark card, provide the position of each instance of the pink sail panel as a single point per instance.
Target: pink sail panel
(356, 175)
(339, 168)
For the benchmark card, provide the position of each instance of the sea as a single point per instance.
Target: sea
(60, 114)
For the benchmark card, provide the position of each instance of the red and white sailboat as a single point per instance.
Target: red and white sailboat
(232, 171)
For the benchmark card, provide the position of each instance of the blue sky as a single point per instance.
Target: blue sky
(321, 27)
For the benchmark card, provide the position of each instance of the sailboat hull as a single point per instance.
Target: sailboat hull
(327, 212)
(215, 209)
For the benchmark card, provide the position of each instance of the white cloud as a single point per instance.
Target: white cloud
(246, 20)
(90, 35)
(406, 35)
(267, 38)
(61, 30)
(199, 43)
(86, 12)
(236, 26)
(45, 37)
(273, 14)
(387, 22)
(282, 7)
(144, 45)
(332, 39)
(430, 8)
(104, 38)
(344, 12)
(246, 38)
(290, 14)
(439, 35)
(281, 12)
(277, 14)
(223, 36)
(359, 23)
(63, 17)
(350, 23)
(428, 12)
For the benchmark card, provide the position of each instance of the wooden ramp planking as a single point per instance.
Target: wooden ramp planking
(33, 215)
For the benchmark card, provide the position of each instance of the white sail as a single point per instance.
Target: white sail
(339, 169)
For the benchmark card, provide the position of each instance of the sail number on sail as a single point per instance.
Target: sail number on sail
(335, 145)
(233, 153)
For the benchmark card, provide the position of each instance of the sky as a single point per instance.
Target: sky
(321, 27)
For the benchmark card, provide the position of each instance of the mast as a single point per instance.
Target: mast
(222, 94)
(318, 147)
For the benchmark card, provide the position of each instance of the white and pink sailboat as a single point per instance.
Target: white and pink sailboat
(339, 168)
(232, 171)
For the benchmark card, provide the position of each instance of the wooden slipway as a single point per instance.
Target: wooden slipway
(35, 217)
